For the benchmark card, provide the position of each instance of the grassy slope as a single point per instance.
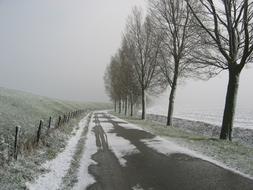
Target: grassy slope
(232, 154)
(25, 109)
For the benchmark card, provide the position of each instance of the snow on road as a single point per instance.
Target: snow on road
(116, 119)
(84, 178)
(120, 146)
(59, 166)
(166, 147)
(131, 126)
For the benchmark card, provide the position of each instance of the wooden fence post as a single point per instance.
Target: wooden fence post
(17, 131)
(68, 116)
(39, 132)
(49, 122)
(59, 121)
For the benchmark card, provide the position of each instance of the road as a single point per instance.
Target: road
(143, 167)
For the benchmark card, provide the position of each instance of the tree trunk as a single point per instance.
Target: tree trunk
(115, 105)
(126, 104)
(123, 106)
(172, 95)
(131, 106)
(119, 106)
(143, 115)
(229, 110)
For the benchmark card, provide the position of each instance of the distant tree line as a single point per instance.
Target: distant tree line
(176, 40)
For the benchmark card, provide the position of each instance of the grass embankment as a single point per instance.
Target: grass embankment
(232, 154)
(25, 109)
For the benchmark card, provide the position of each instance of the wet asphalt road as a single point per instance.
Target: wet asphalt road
(152, 170)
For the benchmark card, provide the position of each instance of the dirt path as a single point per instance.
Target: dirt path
(148, 169)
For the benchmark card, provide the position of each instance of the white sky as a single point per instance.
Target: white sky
(60, 48)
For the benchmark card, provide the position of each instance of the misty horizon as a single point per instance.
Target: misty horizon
(61, 49)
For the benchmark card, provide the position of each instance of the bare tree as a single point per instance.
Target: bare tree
(175, 19)
(227, 29)
(145, 43)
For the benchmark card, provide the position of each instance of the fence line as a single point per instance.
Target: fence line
(62, 119)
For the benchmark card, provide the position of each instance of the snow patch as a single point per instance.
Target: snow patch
(107, 127)
(120, 146)
(168, 147)
(103, 120)
(131, 126)
(59, 166)
(116, 119)
(137, 187)
(84, 178)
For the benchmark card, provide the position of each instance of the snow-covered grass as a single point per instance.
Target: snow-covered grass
(59, 166)
(120, 146)
(233, 155)
(15, 174)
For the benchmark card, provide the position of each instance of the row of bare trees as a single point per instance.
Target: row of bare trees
(120, 80)
(178, 39)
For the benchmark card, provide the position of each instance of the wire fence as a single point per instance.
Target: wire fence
(26, 143)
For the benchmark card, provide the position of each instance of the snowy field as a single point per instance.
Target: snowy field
(208, 114)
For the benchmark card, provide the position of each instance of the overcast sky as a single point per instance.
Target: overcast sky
(60, 48)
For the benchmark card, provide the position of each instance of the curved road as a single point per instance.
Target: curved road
(150, 170)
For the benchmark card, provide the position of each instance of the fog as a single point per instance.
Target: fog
(209, 94)
(60, 48)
